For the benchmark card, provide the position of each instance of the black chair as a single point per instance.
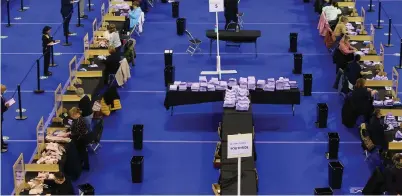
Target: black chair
(96, 136)
(194, 43)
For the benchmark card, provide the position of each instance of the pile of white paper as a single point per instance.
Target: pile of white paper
(270, 86)
(251, 83)
(232, 82)
(223, 85)
(173, 87)
(203, 86)
(230, 98)
(243, 82)
(293, 84)
(261, 84)
(242, 101)
(282, 84)
(183, 86)
(214, 81)
(195, 86)
(211, 87)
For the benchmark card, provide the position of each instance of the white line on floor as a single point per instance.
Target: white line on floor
(206, 142)
(213, 54)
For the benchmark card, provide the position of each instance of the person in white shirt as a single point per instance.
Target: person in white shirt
(114, 38)
(331, 12)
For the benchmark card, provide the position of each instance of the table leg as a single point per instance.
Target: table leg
(255, 45)
(293, 109)
(210, 47)
(171, 111)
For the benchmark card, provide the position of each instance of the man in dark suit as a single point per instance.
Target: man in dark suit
(67, 9)
(231, 10)
(4, 108)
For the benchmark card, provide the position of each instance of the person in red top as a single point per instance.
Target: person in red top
(345, 47)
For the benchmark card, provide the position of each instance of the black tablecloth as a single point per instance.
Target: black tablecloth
(241, 36)
(235, 122)
(188, 97)
(228, 182)
(247, 163)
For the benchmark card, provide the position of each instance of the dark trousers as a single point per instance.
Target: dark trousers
(230, 17)
(2, 142)
(46, 60)
(83, 152)
(144, 5)
(66, 23)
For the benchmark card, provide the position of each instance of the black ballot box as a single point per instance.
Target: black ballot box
(293, 42)
(323, 191)
(168, 54)
(169, 73)
(333, 145)
(322, 115)
(137, 169)
(138, 135)
(335, 174)
(86, 189)
(298, 63)
(307, 84)
(180, 26)
(175, 9)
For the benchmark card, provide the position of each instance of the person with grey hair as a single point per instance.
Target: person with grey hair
(85, 105)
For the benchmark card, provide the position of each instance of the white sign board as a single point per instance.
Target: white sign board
(216, 6)
(240, 145)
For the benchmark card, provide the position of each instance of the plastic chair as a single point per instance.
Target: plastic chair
(194, 43)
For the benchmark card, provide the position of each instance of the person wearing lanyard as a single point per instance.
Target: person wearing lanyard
(47, 42)
(114, 38)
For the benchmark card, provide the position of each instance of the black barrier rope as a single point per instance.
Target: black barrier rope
(8, 14)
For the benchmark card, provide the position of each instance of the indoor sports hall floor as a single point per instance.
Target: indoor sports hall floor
(179, 149)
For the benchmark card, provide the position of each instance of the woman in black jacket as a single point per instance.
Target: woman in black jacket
(47, 43)
(362, 99)
(376, 130)
(112, 63)
(79, 133)
(62, 185)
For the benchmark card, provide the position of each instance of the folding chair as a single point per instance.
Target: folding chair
(240, 19)
(96, 136)
(363, 133)
(151, 3)
(232, 26)
(194, 43)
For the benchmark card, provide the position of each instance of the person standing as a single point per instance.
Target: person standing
(4, 108)
(231, 10)
(85, 105)
(82, 10)
(47, 42)
(67, 10)
(114, 38)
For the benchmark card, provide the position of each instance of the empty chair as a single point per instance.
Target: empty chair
(194, 44)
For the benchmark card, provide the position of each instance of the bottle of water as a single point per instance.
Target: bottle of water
(237, 28)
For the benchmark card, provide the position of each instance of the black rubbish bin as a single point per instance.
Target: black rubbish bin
(333, 145)
(298, 63)
(86, 189)
(137, 169)
(138, 135)
(169, 73)
(322, 115)
(293, 42)
(168, 57)
(307, 84)
(180, 26)
(323, 191)
(175, 9)
(335, 174)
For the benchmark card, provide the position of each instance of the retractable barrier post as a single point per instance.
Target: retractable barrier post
(78, 14)
(389, 33)
(21, 6)
(379, 16)
(400, 57)
(89, 6)
(371, 6)
(20, 110)
(38, 90)
(8, 14)
(52, 64)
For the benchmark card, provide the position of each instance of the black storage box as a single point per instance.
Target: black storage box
(322, 115)
(169, 74)
(333, 145)
(168, 57)
(298, 63)
(323, 191)
(138, 135)
(307, 84)
(335, 174)
(293, 42)
(181, 26)
(137, 169)
(86, 189)
(175, 9)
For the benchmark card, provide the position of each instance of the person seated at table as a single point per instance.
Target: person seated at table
(143, 5)
(375, 129)
(134, 14)
(393, 176)
(340, 28)
(114, 37)
(85, 105)
(362, 99)
(345, 54)
(231, 11)
(354, 70)
(331, 13)
(79, 133)
(112, 63)
(62, 185)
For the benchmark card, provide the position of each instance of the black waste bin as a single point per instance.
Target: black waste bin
(180, 26)
(307, 84)
(293, 42)
(169, 73)
(86, 189)
(322, 115)
(335, 174)
(137, 169)
(333, 145)
(323, 191)
(298, 63)
(168, 57)
(175, 9)
(138, 135)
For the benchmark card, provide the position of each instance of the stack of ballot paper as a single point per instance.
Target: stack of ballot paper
(270, 86)
(293, 84)
(251, 83)
(242, 101)
(222, 85)
(232, 82)
(173, 87)
(195, 87)
(211, 87)
(377, 77)
(230, 98)
(243, 82)
(390, 120)
(214, 81)
(203, 86)
(388, 102)
(177, 83)
(378, 103)
(183, 86)
(202, 79)
(398, 135)
(261, 84)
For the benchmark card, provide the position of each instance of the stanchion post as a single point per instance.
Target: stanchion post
(89, 6)
(66, 43)
(52, 64)
(379, 16)
(21, 6)
(38, 90)
(389, 33)
(371, 6)
(8, 14)
(79, 16)
(20, 110)
(400, 57)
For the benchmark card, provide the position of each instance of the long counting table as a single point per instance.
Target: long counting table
(243, 36)
(258, 96)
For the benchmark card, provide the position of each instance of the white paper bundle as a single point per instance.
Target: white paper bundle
(242, 92)
(261, 84)
(242, 106)
(269, 87)
(173, 87)
(232, 82)
(183, 86)
(222, 85)
(243, 81)
(177, 83)
(293, 84)
(202, 79)
(214, 81)
(195, 87)
(251, 83)
(211, 87)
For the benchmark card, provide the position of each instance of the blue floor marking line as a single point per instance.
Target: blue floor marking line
(205, 142)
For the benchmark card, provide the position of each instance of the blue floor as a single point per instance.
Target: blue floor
(179, 149)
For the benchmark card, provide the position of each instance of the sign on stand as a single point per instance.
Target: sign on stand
(240, 145)
(216, 6)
